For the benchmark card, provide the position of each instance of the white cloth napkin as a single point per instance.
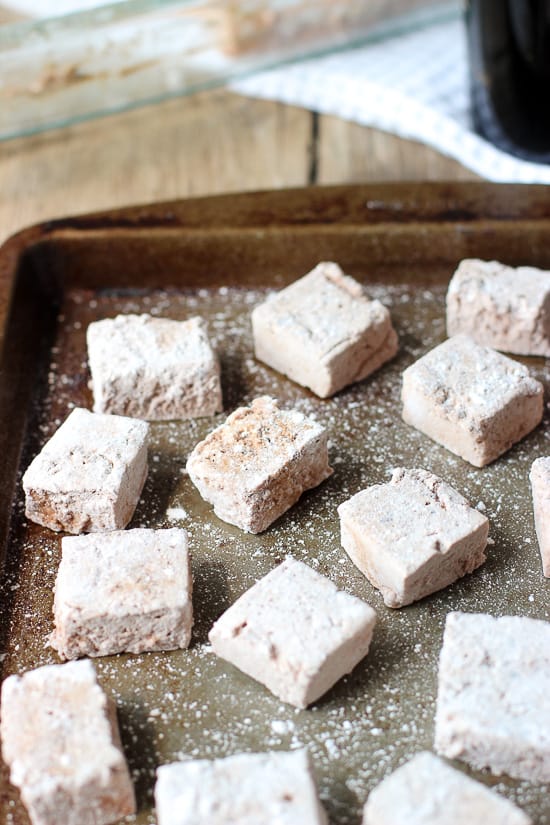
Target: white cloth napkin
(414, 85)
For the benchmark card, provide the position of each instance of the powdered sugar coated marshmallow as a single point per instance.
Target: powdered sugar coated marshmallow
(245, 789)
(474, 401)
(60, 739)
(540, 485)
(153, 368)
(258, 463)
(295, 632)
(89, 475)
(493, 700)
(129, 590)
(503, 307)
(412, 536)
(426, 791)
(323, 331)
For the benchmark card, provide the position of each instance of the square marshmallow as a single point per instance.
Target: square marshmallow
(426, 791)
(258, 463)
(493, 701)
(89, 475)
(412, 536)
(128, 590)
(246, 789)
(540, 484)
(153, 368)
(500, 306)
(323, 331)
(60, 739)
(474, 401)
(295, 632)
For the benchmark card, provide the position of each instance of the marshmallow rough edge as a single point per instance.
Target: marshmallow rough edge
(295, 632)
(470, 399)
(493, 698)
(257, 464)
(501, 306)
(153, 368)
(412, 536)
(124, 591)
(89, 476)
(323, 331)
(60, 739)
(245, 789)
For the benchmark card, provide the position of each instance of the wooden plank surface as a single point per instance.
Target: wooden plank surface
(349, 153)
(209, 143)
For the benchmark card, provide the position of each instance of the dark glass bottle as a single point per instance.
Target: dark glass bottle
(509, 50)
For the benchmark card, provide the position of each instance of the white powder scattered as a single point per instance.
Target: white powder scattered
(176, 514)
(282, 726)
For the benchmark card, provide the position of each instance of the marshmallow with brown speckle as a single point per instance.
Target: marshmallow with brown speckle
(258, 463)
(90, 474)
(245, 789)
(295, 632)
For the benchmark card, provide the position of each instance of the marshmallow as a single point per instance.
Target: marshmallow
(295, 632)
(258, 463)
(500, 306)
(412, 536)
(60, 738)
(89, 475)
(128, 590)
(246, 789)
(474, 401)
(493, 701)
(323, 332)
(153, 368)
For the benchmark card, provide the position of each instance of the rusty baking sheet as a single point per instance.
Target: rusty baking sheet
(218, 257)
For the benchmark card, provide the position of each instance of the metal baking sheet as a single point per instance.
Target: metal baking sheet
(217, 258)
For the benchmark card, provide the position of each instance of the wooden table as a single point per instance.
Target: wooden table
(208, 143)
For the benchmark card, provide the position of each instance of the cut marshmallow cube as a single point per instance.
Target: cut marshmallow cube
(245, 789)
(258, 463)
(295, 632)
(474, 401)
(129, 590)
(426, 791)
(493, 701)
(412, 536)
(501, 306)
(89, 475)
(60, 739)
(540, 485)
(153, 368)
(323, 331)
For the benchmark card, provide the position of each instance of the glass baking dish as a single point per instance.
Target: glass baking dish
(57, 71)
